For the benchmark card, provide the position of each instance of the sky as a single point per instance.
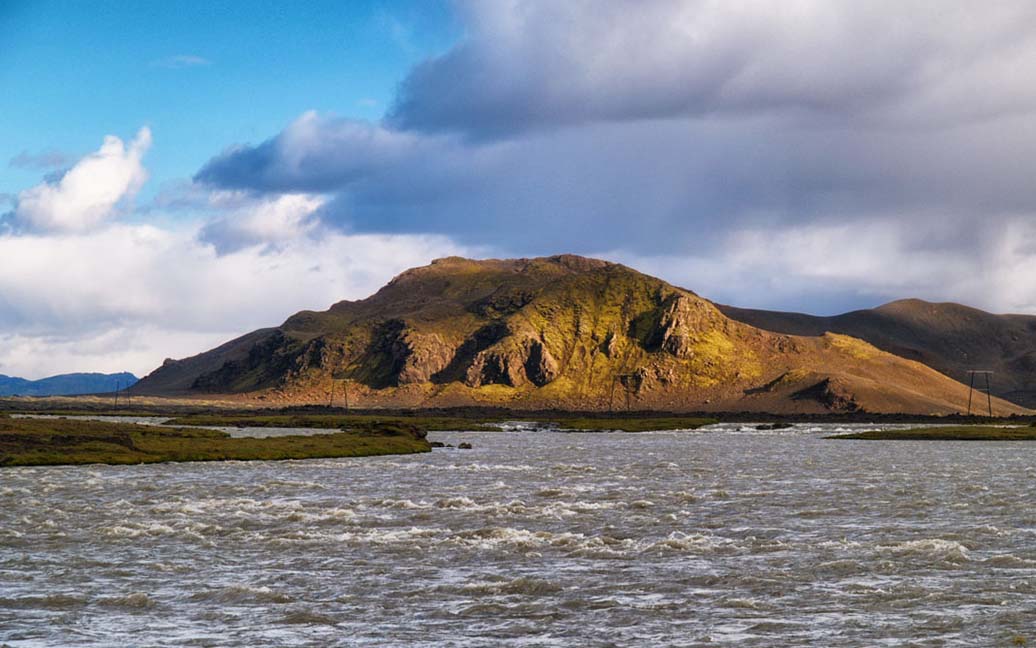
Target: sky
(175, 174)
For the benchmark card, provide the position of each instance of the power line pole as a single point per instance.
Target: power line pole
(987, 389)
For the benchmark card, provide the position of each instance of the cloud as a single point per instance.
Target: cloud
(89, 193)
(675, 129)
(315, 153)
(125, 296)
(529, 64)
(272, 221)
(181, 61)
(47, 160)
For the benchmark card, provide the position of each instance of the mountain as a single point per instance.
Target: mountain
(950, 338)
(564, 331)
(65, 384)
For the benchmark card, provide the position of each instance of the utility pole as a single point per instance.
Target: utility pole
(987, 389)
(118, 385)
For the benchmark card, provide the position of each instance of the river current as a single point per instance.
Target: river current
(727, 536)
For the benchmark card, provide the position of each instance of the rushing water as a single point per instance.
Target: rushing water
(534, 538)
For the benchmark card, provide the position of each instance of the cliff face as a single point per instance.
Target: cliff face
(562, 331)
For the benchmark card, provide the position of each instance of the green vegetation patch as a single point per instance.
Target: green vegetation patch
(368, 422)
(633, 424)
(347, 422)
(955, 433)
(39, 442)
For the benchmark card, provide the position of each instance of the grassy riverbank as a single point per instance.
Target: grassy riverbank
(36, 442)
(955, 433)
(350, 422)
(362, 422)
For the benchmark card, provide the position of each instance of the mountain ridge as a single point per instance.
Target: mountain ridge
(66, 384)
(567, 332)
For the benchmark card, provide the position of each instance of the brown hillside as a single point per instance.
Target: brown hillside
(564, 331)
(950, 338)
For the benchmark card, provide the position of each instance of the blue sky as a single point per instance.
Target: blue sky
(202, 75)
(173, 174)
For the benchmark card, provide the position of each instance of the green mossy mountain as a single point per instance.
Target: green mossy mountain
(559, 332)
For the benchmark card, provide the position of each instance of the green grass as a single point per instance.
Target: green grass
(632, 424)
(955, 433)
(38, 442)
(349, 422)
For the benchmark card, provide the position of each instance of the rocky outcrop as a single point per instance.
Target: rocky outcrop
(830, 393)
(540, 367)
(495, 367)
(513, 364)
(679, 323)
(399, 355)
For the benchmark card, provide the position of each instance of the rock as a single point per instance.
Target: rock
(464, 446)
(830, 393)
(495, 367)
(540, 366)
(437, 444)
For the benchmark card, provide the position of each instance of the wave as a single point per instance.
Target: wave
(242, 594)
(945, 550)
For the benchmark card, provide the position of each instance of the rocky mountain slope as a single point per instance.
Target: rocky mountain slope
(950, 338)
(564, 331)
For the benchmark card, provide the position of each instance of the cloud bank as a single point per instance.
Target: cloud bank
(707, 132)
(83, 290)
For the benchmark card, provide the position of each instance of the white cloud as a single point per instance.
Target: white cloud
(835, 266)
(81, 291)
(90, 192)
(270, 221)
(124, 297)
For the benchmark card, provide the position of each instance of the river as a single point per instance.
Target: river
(727, 536)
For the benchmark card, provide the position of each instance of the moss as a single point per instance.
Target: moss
(35, 442)
(851, 346)
(955, 433)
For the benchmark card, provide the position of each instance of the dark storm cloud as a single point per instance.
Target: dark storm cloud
(701, 130)
(532, 65)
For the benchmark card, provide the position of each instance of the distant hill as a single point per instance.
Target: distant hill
(565, 332)
(948, 337)
(65, 384)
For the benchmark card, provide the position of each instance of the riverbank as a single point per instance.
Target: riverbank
(459, 417)
(365, 422)
(954, 433)
(40, 442)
